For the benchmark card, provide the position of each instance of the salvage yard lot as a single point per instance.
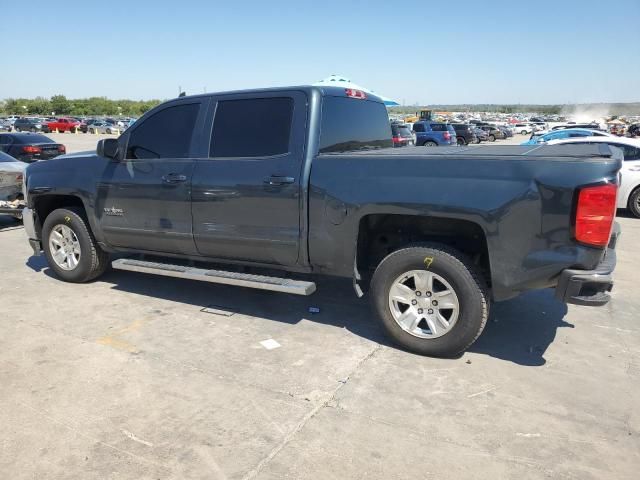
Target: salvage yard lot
(127, 378)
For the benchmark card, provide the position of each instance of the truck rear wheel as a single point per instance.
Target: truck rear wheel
(70, 247)
(430, 299)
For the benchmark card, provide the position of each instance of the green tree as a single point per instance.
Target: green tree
(60, 105)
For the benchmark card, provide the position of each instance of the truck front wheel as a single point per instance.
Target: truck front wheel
(430, 299)
(70, 247)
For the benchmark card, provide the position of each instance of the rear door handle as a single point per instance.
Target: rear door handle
(277, 180)
(174, 178)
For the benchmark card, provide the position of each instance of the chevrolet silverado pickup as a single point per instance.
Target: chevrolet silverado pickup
(304, 180)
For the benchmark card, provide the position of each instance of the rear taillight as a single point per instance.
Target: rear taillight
(19, 177)
(31, 149)
(447, 136)
(62, 149)
(595, 212)
(396, 139)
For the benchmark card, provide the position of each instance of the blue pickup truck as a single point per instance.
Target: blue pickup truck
(434, 134)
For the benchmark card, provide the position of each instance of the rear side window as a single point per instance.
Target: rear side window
(438, 127)
(255, 127)
(350, 124)
(166, 134)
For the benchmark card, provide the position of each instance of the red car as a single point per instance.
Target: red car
(63, 125)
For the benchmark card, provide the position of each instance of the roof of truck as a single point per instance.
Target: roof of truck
(326, 91)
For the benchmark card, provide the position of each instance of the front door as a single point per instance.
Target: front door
(144, 199)
(247, 191)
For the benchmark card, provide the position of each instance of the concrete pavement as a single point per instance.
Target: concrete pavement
(126, 378)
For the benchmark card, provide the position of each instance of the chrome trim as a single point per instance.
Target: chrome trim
(261, 282)
(28, 220)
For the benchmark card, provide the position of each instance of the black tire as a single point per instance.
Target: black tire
(459, 272)
(430, 144)
(17, 129)
(108, 131)
(478, 140)
(634, 203)
(93, 260)
(33, 130)
(492, 138)
(461, 141)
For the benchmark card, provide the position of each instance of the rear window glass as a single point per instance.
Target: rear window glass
(270, 127)
(350, 124)
(405, 132)
(31, 138)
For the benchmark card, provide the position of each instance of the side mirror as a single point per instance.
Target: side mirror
(107, 148)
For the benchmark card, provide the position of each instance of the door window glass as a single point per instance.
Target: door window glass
(165, 134)
(253, 127)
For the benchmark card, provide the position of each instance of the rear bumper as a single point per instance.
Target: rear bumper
(590, 287)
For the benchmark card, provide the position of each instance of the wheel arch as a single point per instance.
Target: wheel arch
(382, 234)
(44, 204)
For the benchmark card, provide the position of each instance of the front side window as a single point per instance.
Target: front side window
(253, 127)
(165, 134)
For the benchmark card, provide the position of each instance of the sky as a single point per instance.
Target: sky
(448, 52)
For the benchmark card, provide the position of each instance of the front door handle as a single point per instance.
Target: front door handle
(277, 180)
(174, 178)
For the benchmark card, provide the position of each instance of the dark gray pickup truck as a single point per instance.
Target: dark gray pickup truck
(304, 180)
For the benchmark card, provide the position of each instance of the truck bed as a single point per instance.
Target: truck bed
(497, 152)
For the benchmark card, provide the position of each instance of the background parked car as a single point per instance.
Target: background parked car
(506, 130)
(633, 130)
(5, 125)
(433, 134)
(590, 126)
(103, 127)
(402, 136)
(481, 135)
(493, 132)
(11, 176)
(629, 191)
(464, 133)
(523, 128)
(63, 124)
(562, 134)
(34, 125)
(30, 147)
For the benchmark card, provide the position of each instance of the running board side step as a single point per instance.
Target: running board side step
(261, 282)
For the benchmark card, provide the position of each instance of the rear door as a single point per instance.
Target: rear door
(144, 199)
(246, 190)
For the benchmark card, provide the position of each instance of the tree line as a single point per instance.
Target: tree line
(61, 105)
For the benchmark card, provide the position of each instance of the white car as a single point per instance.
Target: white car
(11, 177)
(629, 192)
(523, 128)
